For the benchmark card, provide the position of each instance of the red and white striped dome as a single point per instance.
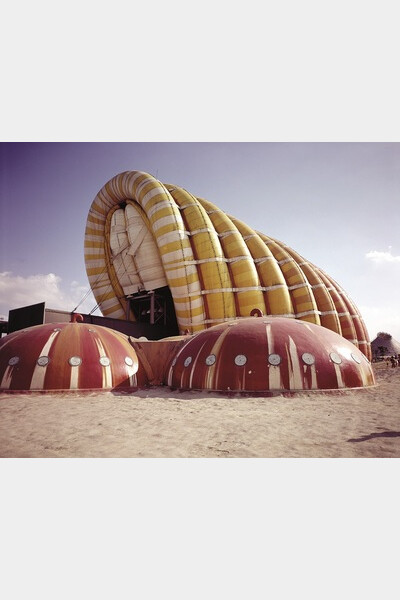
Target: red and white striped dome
(68, 356)
(269, 355)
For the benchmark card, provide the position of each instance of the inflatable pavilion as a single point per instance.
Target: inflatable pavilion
(244, 312)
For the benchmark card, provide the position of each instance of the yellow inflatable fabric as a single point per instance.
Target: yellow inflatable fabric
(142, 234)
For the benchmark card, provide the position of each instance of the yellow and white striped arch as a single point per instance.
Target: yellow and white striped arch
(143, 234)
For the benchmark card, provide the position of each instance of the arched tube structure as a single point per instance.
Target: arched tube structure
(143, 235)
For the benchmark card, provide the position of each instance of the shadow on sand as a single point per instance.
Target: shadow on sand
(389, 434)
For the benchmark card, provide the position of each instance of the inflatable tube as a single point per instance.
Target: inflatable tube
(143, 235)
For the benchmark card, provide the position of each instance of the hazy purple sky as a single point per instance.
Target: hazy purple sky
(337, 204)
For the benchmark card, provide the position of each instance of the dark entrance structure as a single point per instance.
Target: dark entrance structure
(155, 308)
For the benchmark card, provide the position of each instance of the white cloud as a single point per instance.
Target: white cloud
(378, 257)
(17, 291)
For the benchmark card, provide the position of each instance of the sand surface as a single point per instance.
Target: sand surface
(160, 423)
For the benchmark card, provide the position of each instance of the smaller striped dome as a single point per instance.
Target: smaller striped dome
(67, 357)
(269, 355)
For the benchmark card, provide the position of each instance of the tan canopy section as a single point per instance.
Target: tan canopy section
(143, 235)
(134, 254)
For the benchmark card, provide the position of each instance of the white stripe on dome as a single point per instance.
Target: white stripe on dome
(39, 373)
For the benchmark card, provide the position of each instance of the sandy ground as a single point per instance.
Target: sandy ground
(160, 423)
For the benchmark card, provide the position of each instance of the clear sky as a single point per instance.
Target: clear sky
(337, 204)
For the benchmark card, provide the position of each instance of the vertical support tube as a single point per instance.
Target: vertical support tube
(152, 308)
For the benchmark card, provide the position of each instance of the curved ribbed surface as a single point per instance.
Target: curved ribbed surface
(268, 355)
(217, 267)
(69, 356)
